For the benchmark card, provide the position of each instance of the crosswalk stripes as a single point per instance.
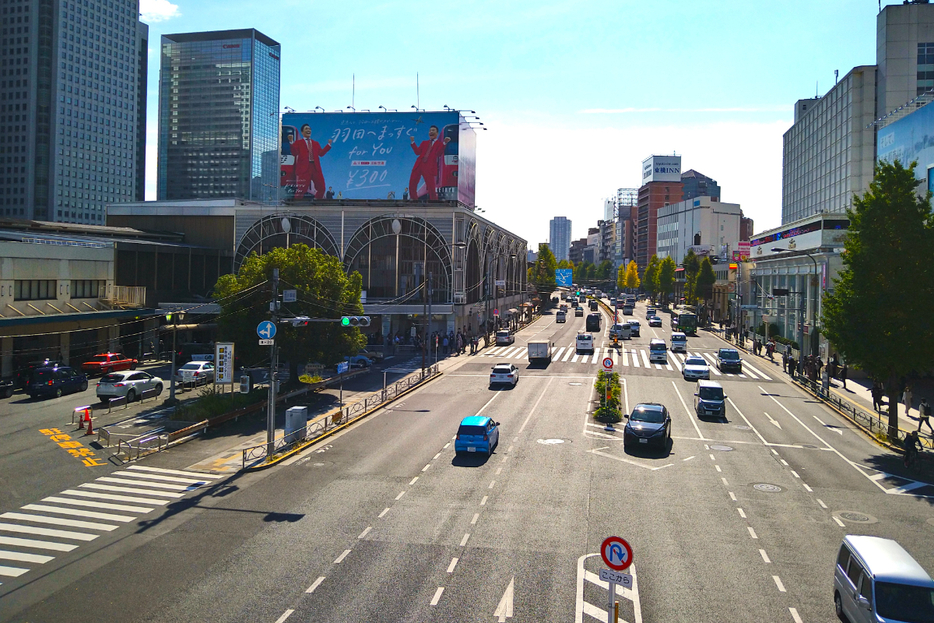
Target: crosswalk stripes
(82, 514)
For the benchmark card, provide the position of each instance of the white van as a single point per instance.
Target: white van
(658, 351)
(679, 342)
(875, 579)
(584, 343)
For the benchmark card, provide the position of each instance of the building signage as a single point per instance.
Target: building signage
(661, 169)
(223, 362)
(396, 155)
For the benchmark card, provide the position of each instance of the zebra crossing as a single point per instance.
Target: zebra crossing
(626, 357)
(35, 533)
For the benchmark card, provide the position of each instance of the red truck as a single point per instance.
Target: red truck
(107, 363)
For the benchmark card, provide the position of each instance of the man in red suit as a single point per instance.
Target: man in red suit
(428, 163)
(308, 175)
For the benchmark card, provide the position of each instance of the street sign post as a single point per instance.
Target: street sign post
(266, 330)
(617, 555)
(623, 579)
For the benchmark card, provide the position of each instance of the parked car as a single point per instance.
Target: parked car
(56, 381)
(695, 368)
(130, 383)
(655, 321)
(648, 424)
(504, 338)
(504, 374)
(477, 433)
(728, 360)
(196, 372)
(105, 363)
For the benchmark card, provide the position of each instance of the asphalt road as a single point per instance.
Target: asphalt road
(736, 520)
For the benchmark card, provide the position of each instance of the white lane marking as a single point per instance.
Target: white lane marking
(452, 565)
(445, 446)
(425, 469)
(839, 523)
(691, 416)
(284, 616)
(625, 354)
(177, 472)
(596, 356)
(483, 501)
(535, 406)
(414, 480)
(748, 423)
(57, 521)
(499, 471)
(504, 609)
(476, 516)
(77, 513)
(464, 540)
(436, 457)
(795, 616)
(908, 487)
(741, 513)
(688, 459)
(778, 583)
(381, 515)
(568, 354)
(783, 462)
(747, 372)
(492, 482)
(60, 534)
(136, 491)
(732, 496)
(437, 597)
(676, 363)
(576, 357)
(645, 359)
(34, 544)
(488, 403)
(315, 585)
(821, 502)
(773, 421)
(365, 532)
(94, 495)
(752, 532)
(342, 557)
(809, 489)
(725, 483)
(631, 462)
(21, 557)
(713, 458)
(12, 572)
(399, 497)
(101, 505)
(151, 485)
(757, 371)
(765, 557)
(558, 354)
(718, 468)
(795, 474)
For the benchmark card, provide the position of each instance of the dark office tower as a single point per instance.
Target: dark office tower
(70, 89)
(218, 115)
(699, 185)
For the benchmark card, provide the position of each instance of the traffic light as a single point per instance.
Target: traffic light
(300, 321)
(355, 321)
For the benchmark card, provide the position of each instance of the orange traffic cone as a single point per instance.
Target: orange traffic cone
(90, 425)
(81, 418)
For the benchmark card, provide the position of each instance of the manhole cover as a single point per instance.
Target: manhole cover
(766, 488)
(856, 517)
(742, 427)
(550, 442)
(721, 448)
(575, 384)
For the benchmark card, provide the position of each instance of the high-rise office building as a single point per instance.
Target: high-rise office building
(661, 186)
(218, 116)
(72, 82)
(560, 237)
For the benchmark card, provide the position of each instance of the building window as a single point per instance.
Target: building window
(87, 288)
(34, 290)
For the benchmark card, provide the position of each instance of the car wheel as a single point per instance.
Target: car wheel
(838, 607)
(84, 386)
(158, 389)
(133, 366)
(131, 395)
(8, 392)
(58, 392)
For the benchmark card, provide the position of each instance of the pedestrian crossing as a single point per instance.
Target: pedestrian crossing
(35, 533)
(626, 357)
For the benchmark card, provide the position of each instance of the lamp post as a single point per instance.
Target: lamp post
(174, 317)
(816, 283)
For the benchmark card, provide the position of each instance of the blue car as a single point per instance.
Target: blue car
(477, 434)
(55, 381)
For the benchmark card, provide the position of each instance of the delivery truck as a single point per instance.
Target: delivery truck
(540, 351)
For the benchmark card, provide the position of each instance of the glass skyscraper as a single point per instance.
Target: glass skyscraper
(560, 237)
(72, 108)
(218, 116)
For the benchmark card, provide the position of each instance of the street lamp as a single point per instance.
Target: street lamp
(816, 284)
(174, 317)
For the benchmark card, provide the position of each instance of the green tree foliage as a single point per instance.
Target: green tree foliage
(604, 271)
(706, 279)
(691, 264)
(566, 264)
(887, 283)
(542, 273)
(650, 277)
(610, 391)
(666, 277)
(585, 272)
(323, 291)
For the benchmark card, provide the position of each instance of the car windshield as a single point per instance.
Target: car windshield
(653, 416)
(902, 602)
(112, 378)
(658, 346)
(471, 430)
(711, 393)
(694, 361)
(501, 370)
(191, 366)
(731, 355)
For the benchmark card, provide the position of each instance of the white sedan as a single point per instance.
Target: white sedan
(695, 368)
(196, 372)
(129, 383)
(504, 373)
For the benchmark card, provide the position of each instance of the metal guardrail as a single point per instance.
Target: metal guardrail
(116, 402)
(349, 413)
(131, 449)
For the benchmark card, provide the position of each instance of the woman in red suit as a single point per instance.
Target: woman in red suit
(307, 166)
(427, 165)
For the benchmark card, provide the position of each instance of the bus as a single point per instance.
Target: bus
(687, 321)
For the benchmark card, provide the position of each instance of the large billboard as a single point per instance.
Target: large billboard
(911, 139)
(661, 169)
(413, 156)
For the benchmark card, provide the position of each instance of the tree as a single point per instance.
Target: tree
(887, 282)
(705, 280)
(629, 276)
(666, 277)
(691, 265)
(604, 270)
(650, 277)
(566, 264)
(324, 290)
(584, 272)
(542, 272)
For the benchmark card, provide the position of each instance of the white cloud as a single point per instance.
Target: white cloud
(152, 11)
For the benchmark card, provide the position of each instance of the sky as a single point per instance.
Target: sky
(574, 95)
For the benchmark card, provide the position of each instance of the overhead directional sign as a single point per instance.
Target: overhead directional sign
(564, 277)
(266, 330)
(616, 553)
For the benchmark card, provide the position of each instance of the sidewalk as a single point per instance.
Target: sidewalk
(857, 394)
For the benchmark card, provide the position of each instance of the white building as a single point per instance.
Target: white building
(560, 237)
(710, 228)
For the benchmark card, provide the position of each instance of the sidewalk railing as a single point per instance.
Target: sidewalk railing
(293, 439)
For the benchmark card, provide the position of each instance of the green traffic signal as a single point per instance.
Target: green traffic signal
(345, 321)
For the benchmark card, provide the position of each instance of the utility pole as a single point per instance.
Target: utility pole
(419, 277)
(273, 370)
(428, 319)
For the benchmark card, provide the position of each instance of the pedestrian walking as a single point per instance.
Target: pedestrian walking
(906, 399)
(791, 367)
(876, 392)
(843, 371)
(785, 361)
(924, 415)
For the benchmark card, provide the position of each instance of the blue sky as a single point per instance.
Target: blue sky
(574, 94)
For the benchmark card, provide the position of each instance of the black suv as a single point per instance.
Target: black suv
(728, 361)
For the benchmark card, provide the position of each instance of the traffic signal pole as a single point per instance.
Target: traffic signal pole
(273, 355)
